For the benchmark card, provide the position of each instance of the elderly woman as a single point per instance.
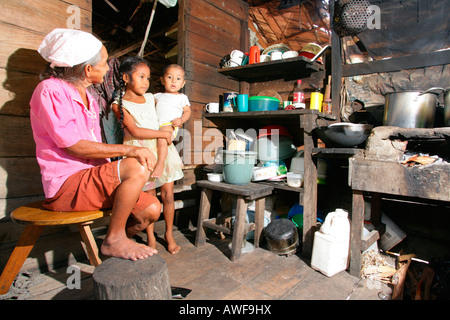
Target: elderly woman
(76, 172)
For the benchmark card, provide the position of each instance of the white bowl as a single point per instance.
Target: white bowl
(216, 177)
(290, 54)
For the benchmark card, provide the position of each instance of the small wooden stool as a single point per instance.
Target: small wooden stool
(245, 193)
(35, 217)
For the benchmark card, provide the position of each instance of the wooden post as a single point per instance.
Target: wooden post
(120, 279)
(308, 123)
(357, 220)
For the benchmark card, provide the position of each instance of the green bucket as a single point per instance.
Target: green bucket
(238, 166)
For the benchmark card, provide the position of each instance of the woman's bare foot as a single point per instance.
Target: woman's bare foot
(126, 249)
(172, 246)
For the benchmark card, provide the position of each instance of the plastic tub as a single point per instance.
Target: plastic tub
(294, 179)
(216, 177)
(262, 103)
(238, 166)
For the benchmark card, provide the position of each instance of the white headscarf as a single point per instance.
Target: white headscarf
(68, 47)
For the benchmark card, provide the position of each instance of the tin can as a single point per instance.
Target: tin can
(229, 101)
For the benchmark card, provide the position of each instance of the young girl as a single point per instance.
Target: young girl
(172, 107)
(136, 111)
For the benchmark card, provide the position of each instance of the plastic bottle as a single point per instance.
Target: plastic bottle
(254, 55)
(331, 244)
(299, 96)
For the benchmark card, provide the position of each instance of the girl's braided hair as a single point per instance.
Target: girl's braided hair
(128, 66)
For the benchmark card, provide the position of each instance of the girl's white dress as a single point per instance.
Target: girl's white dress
(144, 114)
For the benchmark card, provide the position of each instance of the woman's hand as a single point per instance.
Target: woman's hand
(144, 156)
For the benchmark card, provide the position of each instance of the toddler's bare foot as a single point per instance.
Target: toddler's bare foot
(126, 249)
(151, 240)
(172, 246)
(157, 172)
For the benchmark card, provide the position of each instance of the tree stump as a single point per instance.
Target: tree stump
(120, 279)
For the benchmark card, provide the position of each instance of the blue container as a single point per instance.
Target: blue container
(262, 103)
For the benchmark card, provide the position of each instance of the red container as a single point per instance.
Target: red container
(254, 55)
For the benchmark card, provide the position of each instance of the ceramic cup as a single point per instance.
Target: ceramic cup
(212, 107)
(242, 102)
(236, 58)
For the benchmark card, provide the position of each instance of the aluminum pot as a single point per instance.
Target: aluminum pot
(282, 236)
(411, 109)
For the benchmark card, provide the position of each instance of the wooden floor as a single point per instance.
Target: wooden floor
(210, 275)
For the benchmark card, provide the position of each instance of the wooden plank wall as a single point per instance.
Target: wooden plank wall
(23, 25)
(209, 30)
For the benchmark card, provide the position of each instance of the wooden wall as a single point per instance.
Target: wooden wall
(23, 25)
(209, 29)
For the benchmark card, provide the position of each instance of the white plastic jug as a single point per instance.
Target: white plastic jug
(331, 244)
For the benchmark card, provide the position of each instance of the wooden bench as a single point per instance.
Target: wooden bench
(35, 218)
(245, 193)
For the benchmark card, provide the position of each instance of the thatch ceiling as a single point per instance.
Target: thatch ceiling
(292, 22)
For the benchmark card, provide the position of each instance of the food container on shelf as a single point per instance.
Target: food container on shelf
(216, 177)
(294, 179)
(263, 103)
(264, 173)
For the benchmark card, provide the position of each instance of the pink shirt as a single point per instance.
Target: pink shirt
(59, 120)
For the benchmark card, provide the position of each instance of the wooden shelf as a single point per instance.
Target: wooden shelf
(268, 114)
(289, 69)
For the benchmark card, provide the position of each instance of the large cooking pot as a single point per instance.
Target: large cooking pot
(282, 236)
(447, 107)
(411, 109)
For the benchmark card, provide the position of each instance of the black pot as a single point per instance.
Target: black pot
(282, 236)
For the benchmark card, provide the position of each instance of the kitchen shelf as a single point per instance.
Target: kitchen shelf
(288, 69)
(277, 114)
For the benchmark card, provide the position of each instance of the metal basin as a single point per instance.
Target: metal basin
(344, 134)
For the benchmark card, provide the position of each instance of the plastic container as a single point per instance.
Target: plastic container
(298, 166)
(262, 103)
(316, 101)
(294, 179)
(216, 177)
(274, 148)
(331, 244)
(264, 173)
(238, 166)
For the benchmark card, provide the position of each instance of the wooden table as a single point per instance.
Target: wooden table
(245, 193)
(388, 177)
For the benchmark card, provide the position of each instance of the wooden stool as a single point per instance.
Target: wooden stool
(245, 193)
(35, 217)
